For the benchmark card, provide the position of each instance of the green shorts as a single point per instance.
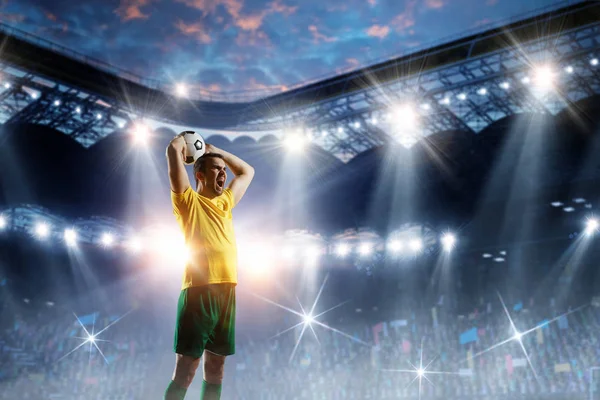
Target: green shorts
(206, 320)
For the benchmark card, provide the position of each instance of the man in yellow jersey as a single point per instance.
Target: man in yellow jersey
(206, 310)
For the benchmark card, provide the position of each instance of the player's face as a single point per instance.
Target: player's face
(215, 176)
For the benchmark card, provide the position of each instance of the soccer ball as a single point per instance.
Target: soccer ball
(194, 146)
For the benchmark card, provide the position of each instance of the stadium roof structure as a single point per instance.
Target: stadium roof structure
(540, 64)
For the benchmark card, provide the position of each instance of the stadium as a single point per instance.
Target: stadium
(423, 227)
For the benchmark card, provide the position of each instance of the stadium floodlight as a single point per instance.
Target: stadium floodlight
(6, 85)
(70, 237)
(308, 319)
(78, 110)
(324, 133)
(499, 259)
(2, 222)
(374, 121)
(404, 117)
(141, 133)
(356, 125)
(294, 142)
(569, 69)
(486, 255)
(56, 103)
(525, 80)
(340, 129)
(342, 249)
(594, 62)
(556, 204)
(312, 252)
(395, 246)
(426, 106)
(181, 90)
(543, 77)
(482, 91)
(34, 95)
(365, 249)
(121, 125)
(505, 85)
(448, 241)
(569, 209)
(591, 226)
(445, 101)
(98, 116)
(107, 240)
(461, 96)
(42, 230)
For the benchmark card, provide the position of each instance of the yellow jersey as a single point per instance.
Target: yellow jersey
(207, 226)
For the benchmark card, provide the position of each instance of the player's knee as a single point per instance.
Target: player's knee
(214, 369)
(185, 370)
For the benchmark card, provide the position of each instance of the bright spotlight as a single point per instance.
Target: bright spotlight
(312, 252)
(395, 246)
(426, 106)
(340, 129)
(505, 85)
(448, 241)
(98, 116)
(592, 226)
(518, 336)
(445, 101)
(374, 121)
(461, 96)
(78, 110)
(295, 142)
(181, 90)
(308, 319)
(365, 249)
(594, 61)
(7, 85)
(525, 80)
(141, 133)
(91, 338)
(482, 91)
(420, 372)
(2, 222)
(404, 117)
(56, 103)
(356, 125)
(416, 245)
(34, 95)
(342, 249)
(569, 70)
(42, 230)
(543, 77)
(70, 237)
(107, 240)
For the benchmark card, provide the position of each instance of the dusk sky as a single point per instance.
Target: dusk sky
(230, 45)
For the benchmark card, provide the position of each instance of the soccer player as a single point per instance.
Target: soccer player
(206, 308)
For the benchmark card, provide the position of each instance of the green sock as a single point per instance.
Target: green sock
(210, 391)
(175, 392)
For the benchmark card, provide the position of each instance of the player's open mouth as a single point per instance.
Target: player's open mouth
(220, 183)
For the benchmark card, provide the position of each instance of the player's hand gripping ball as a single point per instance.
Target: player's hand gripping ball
(194, 146)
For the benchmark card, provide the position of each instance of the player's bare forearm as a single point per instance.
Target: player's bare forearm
(235, 164)
(178, 177)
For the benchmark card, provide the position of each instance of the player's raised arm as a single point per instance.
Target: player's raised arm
(242, 170)
(177, 174)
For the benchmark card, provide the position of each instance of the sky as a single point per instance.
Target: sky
(245, 45)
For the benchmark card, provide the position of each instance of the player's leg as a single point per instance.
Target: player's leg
(185, 369)
(221, 342)
(194, 324)
(214, 368)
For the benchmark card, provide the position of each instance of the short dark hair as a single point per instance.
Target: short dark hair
(200, 164)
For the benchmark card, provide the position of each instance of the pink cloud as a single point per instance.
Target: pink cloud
(250, 22)
(379, 31)
(253, 38)
(131, 9)
(233, 7)
(406, 19)
(196, 30)
(254, 85)
(435, 3)
(352, 62)
(50, 16)
(277, 7)
(319, 37)
(372, 2)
